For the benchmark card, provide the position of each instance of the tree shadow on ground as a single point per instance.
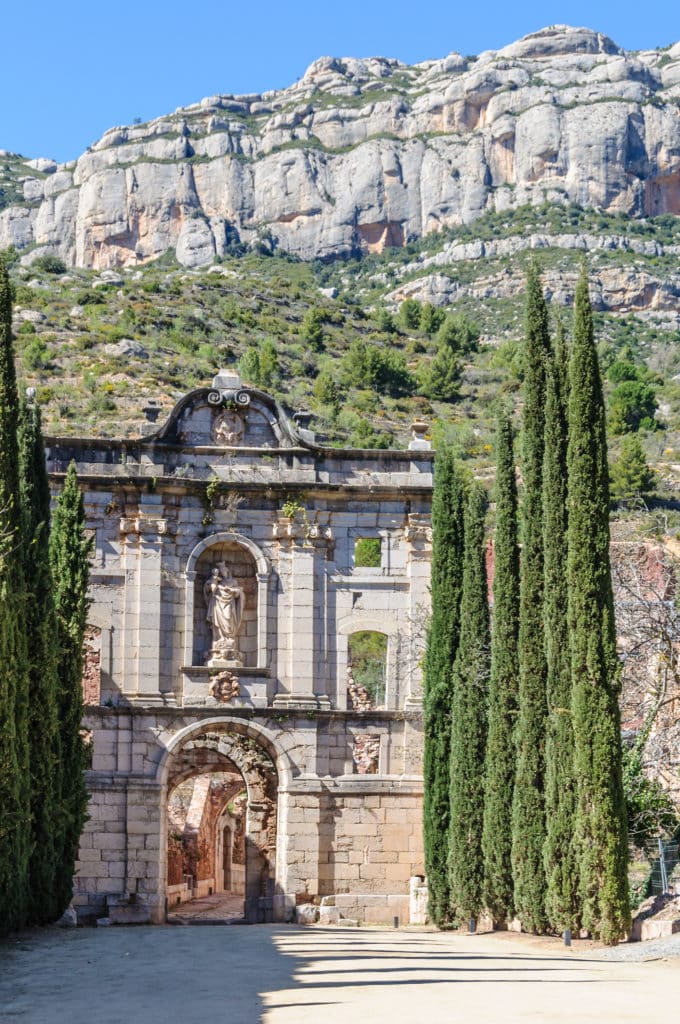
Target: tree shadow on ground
(236, 975)
(330, 960)
(142, 975)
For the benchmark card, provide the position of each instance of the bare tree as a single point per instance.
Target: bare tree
(648, 626)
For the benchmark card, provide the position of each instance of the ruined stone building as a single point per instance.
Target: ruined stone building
(252, 677)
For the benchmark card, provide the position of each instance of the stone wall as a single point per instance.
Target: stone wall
(334, 785)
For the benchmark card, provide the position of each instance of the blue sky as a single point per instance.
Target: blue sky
(70, 69)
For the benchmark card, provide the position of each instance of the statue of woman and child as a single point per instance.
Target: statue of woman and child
(225, 602)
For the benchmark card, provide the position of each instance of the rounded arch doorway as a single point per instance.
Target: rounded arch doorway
(221, 821)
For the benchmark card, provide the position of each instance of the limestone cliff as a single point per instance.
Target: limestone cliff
(360, 154)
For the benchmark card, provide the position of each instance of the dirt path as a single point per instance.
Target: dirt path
(291, 975)
(222, 908)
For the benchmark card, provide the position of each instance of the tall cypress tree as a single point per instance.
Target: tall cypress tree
(499, 769)
(561, 361)
(468, 733)
(442, 644)
(528, 810)
(14, 768)
(560, 796)
(69, 550)
(41, 628)
(600, 824)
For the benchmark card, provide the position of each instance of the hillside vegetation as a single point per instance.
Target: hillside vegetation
(358, 341)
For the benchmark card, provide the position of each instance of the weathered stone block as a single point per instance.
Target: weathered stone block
(306, 913)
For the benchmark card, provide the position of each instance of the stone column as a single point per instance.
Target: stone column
(143, 538)
(418, 536)
(302, 543)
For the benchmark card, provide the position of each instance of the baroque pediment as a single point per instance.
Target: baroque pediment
(230, 414)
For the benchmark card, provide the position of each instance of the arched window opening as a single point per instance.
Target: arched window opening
(367, 670)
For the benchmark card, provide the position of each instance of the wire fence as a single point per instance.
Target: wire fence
(665, 874)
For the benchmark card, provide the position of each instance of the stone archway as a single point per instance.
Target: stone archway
(218, 752)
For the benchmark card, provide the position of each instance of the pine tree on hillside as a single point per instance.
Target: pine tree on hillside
(468, 732)
(499, 769)
(69, 550)
(600, 824)
(528, 810)
(40, 625)
(560, 785)
(630, 475)
(442, 644)
(14, 768)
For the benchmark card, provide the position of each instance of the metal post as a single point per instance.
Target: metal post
(472, 925)
(396, 922)
(662, 864)
(567, 936)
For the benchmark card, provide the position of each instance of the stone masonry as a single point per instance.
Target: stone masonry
(334, 787)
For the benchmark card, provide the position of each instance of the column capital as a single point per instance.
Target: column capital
(145, 526)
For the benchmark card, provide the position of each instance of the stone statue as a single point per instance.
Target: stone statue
(228, 428)
(225, 602)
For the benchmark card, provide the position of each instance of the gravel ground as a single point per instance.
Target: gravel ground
(654, 949)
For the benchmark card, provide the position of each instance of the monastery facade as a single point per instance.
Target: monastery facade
(253, 680)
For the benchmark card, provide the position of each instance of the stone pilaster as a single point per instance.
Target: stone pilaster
(302, 544)
(418, 535)
(143, 538)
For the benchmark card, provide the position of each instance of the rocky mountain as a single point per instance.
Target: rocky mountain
(363, 154)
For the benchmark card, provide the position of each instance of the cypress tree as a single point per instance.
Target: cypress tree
(442, 644)
(561, 361)
(14, 769)
(468, 733)
(69, 550)
(528, 810)
(560, 799)
(41, 628)
(499, 770)
(600, 823)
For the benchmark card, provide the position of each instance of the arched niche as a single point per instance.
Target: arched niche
(251, 569)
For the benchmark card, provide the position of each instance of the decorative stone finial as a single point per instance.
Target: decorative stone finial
(419, 440)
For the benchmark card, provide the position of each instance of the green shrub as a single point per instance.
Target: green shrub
(385, 321)
(440, 380)
(312, 329)
(369, 366)
(632, 406)
(50, 264)
(459, 332)
(260, 366)
(431, 318)
(409, 314)
(325, 390)
(622, 370)
(35, 355)
(630, 475)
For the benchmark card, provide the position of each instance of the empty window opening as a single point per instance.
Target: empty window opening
(368, 553)
(367, 670)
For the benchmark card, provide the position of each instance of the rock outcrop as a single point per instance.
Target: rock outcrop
(361, 154)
